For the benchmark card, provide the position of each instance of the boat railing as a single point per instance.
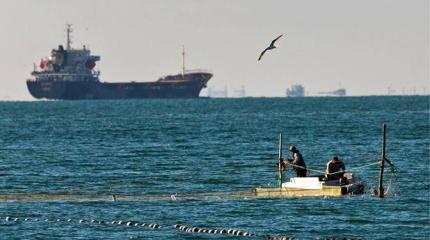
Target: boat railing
(198, 70)
(63, 74)
(191, 71)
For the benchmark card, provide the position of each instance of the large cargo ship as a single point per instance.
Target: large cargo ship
(69, 74)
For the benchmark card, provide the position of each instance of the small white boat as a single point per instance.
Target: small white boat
(314, 186)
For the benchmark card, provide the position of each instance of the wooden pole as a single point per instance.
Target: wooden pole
(280, 177)
(381, 172)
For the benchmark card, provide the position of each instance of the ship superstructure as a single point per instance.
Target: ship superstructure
(70, 74)
(296, 90)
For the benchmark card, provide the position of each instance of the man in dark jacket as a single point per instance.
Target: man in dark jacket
(335, 169)
(298, 161)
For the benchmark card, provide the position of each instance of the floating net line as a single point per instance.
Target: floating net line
(231, 232)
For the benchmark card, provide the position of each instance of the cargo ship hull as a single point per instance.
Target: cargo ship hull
(189, 87)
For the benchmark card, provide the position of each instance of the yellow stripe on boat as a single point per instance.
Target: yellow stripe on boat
(288, 192)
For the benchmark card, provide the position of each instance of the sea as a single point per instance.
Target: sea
(75, 169)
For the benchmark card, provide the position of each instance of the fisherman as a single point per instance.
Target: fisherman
(333, 170)
(297, 161)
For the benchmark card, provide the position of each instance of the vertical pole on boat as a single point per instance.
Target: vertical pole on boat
(280, 177)
(183, 61)
(381, 172)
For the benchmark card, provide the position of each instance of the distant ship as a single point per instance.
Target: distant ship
(69, 74)
(338, 92)
(296, 91)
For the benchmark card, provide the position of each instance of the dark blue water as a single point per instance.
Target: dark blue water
(147, 150)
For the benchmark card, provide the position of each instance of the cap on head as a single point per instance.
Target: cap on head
(292, 148)
(335, 158)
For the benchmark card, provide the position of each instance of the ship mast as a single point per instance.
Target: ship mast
(183, 60)
(68, 39)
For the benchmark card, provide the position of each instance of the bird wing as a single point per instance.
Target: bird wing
(274, 40)
(261, 54)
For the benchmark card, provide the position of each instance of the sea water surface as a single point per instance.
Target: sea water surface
(67, 158)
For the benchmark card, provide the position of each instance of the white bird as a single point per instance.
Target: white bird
(272, 46)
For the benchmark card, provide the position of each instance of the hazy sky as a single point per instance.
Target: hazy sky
(364, 45)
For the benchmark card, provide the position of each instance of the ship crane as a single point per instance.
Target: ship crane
(183, 61)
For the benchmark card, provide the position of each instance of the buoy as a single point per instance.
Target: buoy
(26, 219)
(143, 225)
(136, 224)
(81, 221)
(69, 220)
(36, 219)
(119, 222)
(129, 224)
(16, 219)
(7, 219)
(113, 222)
(93, 221)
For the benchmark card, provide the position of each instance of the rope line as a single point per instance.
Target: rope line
(323, 172)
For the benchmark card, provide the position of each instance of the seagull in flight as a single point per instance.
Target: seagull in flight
(272, 46)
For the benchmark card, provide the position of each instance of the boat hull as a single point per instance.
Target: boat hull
(75, 90)
(314, 186)
(333, 191)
